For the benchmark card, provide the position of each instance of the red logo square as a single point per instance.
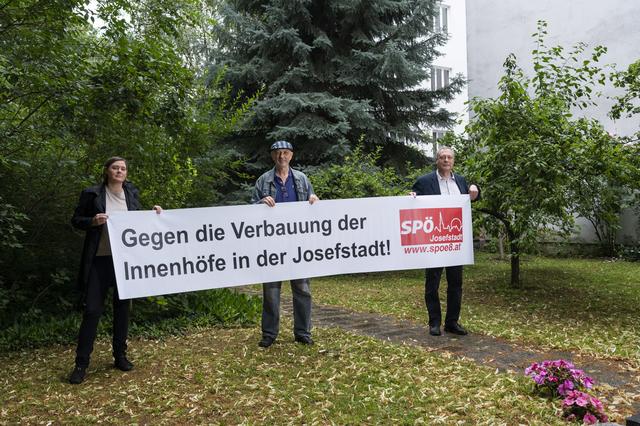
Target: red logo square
(430, 226)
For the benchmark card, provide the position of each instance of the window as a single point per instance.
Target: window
(441, 22)
(439, 77)
(436, 135)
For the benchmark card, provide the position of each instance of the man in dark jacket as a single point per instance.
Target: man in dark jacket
(444, 182)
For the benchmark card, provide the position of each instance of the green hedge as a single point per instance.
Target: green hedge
(151, 317)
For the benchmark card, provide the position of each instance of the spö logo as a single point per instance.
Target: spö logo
(430, 226)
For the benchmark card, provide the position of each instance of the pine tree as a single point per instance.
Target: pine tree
(331, 72)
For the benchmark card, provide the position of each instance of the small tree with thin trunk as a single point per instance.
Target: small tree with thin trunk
(534, 161)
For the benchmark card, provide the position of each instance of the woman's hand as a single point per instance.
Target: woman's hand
(99, 219)
(158, 209)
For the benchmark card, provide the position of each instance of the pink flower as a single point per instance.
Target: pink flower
(588, 382)
(582, 400)
(596, 403)
(565, 387)
(532, 368)
(569, 399)
(590, 419)
(539, 379)
(565, 364)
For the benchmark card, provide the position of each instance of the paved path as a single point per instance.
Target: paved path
(485, 350)
(480, 348)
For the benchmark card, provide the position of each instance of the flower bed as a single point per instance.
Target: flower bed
(560, 379)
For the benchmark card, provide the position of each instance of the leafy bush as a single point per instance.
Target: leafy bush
(134, 89)
(358, 176)
(152, 317)
(221, 306)
(10, 220)
(630, 253)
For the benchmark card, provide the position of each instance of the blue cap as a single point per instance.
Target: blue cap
(282, 145)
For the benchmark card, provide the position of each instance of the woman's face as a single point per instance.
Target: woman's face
(117, 172)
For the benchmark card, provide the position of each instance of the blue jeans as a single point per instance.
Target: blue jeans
(301, 308)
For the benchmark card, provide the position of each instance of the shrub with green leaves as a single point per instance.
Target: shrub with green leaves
(358, 176)
(151, 317)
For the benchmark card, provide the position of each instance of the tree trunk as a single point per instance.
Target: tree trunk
(515, 270)
(515, 264)
(514, 248)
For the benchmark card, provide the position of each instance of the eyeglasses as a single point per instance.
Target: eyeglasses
(283, 190)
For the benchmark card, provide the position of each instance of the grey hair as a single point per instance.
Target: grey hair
(445, 148)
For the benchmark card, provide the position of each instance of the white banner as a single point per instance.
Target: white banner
(196, 249)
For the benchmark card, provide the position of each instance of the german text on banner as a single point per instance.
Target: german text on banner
(203, 248)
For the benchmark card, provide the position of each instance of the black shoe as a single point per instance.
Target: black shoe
(434, 330)
(305, 340)
(77, 375)
(122, 363)
(266, 342)
(455, 328)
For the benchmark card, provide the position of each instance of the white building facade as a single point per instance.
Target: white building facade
(496, 28)
(451, 19)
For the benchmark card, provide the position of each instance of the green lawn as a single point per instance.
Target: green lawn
(585, 305)
(220, 376)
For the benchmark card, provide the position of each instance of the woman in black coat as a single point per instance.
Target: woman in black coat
(96, 269)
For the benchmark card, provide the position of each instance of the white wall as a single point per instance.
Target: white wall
(496, 28)
(455, 57)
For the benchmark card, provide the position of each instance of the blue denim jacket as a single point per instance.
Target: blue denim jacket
(266, 186)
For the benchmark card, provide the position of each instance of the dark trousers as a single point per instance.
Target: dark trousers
(454, 294)
(101, 277)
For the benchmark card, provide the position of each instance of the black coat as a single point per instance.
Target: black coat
(428, 185)
(93, 201)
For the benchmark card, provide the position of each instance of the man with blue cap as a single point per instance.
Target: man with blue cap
(283, 184)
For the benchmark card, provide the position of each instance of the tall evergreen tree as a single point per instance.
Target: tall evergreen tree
(331, 71)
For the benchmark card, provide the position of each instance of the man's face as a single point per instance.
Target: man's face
(445, 161)
(281, 157)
